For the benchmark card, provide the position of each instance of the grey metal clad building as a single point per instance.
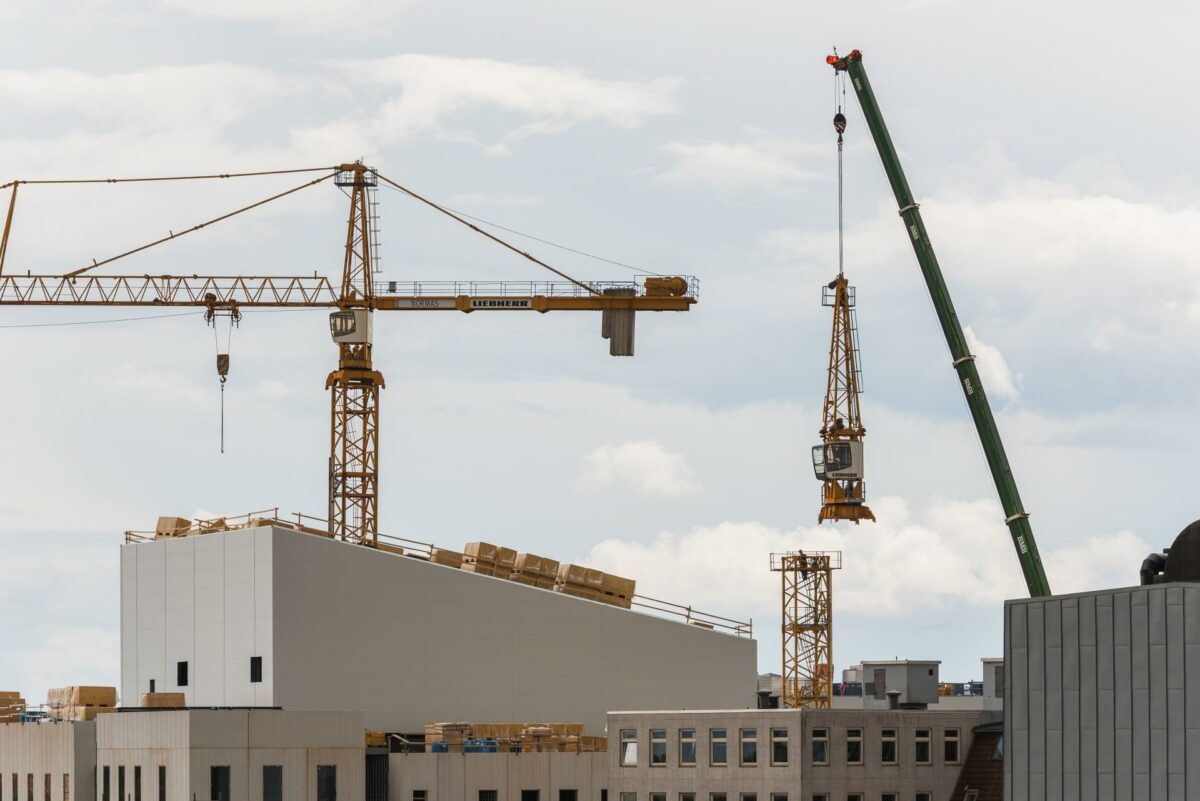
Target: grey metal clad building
(1102, 695)
(272, 617)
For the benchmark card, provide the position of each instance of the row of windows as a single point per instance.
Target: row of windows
(922, 746)
(526, 795)
(748, 750)
(718, 747)
(218, 780)
(181, 673)
(47, 787)
(630, 796)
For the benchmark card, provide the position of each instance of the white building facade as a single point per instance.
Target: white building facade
(272, 617)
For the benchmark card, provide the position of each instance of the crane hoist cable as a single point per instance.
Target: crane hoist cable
(839, 125)
(233, 315)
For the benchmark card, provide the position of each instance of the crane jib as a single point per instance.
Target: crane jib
(1016, 518)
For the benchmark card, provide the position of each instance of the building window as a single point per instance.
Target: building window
(420, 795)
(854, 754)
(749, 796)
(46, 787)
(998, 682)
(628, 796)
(716, 797)
(779, 746)
(105, 793)
(658, 748)
(687, 797)
(66, 787)
(923, 797)
(603, 794)
(687, 747)
(820, 797)
(121, 786)
(922, 746)
(950, 746)
(718, 747)
(628, 748)
(162, 783)
(568, 795)
(779, 797)
(137, 783)
(887, 746)
(488, 795)
(854, 797)
(749, 738)
(326, 782)
(529, 795)
(971, 795)
(181, 675)
(820, 747)
(218, 782)
(272, 776)
(255, 669)
(888, 797)
(658, 797)
(152, 685)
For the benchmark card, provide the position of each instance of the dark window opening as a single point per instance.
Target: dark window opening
(121, 784)
(137, 783)
(104, 787)
(326, 782)
(568, 795)
(218, 779)
(46, 787)
(181, 674)
(420, 795)
(529, 795)
(489, 795)
(272, 782)
(152, 685)
(162, 783)
(255, 669)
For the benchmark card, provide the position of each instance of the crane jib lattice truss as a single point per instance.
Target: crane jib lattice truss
(354, 386)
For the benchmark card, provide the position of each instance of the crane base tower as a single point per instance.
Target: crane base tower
(807, 587)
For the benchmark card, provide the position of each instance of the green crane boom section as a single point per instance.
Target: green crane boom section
(964, 363)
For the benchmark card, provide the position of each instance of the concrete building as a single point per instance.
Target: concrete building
(272, 617)
(230, 755)
(1102, 695)
(553, 776)
(787, 755)
(48, 761)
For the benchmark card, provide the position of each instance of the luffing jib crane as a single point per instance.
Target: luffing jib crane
(355, 384)
(1016, 518)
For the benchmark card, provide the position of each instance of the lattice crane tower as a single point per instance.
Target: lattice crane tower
(807, 591)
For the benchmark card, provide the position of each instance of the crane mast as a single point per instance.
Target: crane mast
(1016, 518)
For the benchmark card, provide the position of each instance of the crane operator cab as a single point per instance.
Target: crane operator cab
(838, 460)
(351, 327)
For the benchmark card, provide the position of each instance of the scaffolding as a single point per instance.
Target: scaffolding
(807, 593)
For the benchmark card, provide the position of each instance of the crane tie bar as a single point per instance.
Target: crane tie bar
(970, 357)
(909, 207)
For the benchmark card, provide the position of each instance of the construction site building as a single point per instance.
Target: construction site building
(272, 617)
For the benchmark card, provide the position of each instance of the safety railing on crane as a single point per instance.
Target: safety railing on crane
(550, 289)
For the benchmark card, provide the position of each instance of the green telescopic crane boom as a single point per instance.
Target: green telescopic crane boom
(964, 363)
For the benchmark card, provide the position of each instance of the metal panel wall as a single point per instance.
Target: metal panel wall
(1102, 692)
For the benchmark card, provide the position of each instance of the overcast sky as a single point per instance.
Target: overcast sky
(1052, 146)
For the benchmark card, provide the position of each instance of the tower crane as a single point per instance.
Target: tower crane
(1016, 518)
(355, 384)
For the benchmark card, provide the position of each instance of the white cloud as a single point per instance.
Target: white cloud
(306, 16)
(764, 163)
(644, 466)
(155, 98)
(955, 556)
(436, 89)
(998, 380)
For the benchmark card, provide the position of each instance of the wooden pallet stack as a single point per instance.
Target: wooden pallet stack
(488, 560)
(80, 702)
(11, 706)
(163, 701)
(535, 571)
(584, 582)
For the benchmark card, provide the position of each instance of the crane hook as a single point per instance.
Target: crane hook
(839, 124)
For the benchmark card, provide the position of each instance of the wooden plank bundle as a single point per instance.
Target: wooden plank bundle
(80, 702)
(535, 571)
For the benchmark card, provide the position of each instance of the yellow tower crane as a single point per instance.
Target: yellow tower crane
(355, 384)
(807, 632)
